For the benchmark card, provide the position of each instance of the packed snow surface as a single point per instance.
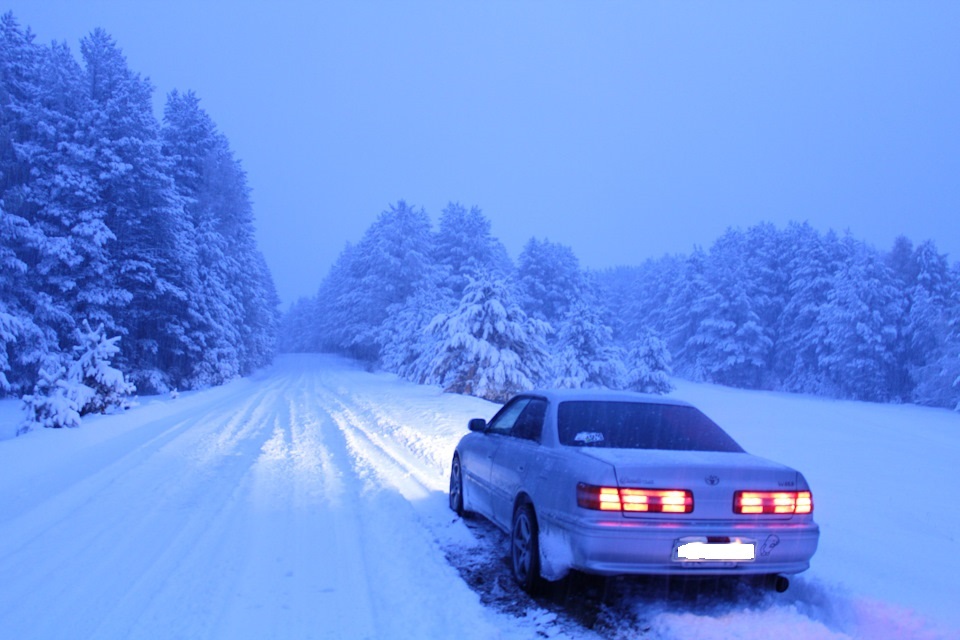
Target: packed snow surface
(310, 502)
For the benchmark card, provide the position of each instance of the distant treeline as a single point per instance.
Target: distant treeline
(449, 307)
(787, 309)
(111, 219)
(798, 310)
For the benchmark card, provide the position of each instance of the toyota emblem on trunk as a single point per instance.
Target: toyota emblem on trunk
(712, 480)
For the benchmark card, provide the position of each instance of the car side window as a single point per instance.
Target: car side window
(503, 422)
(529, 424)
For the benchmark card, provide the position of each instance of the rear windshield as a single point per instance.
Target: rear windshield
(639, 425)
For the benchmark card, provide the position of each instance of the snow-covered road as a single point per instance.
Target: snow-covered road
(308, 502)
(264, 509)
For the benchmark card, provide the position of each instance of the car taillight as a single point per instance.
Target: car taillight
(782, 502)
(634, 500)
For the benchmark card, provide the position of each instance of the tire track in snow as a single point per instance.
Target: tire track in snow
(299, 520)
(383, 461)
(113, 534)
(415, 592)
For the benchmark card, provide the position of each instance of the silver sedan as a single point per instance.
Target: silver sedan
(622, 483)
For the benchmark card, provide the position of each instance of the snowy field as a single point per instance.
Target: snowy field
(310, 502)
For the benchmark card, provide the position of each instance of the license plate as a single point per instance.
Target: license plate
(703, 550)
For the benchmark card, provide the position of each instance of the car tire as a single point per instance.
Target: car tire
(525, 549)
(456, 487)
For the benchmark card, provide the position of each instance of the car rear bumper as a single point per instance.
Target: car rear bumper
(621, 546)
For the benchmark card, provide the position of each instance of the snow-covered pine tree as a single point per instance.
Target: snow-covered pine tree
(463, 246)
(54, 403)
(648, 365)
(814, 260)
(91, 225)
(87, 383)
(928, 351)
(684, 309)
(92, 368)
(207, 353)
(73, 266)
(586, 356)
(297, 327)
(408, 347)
(857, 327)
(487, 346)
(383, 269)
(142, 209)
(639, 297)
(23, 340)
(10, 329)
(331, 323)
(550, 280)
(729, 345)
(261, 310)
(233, 301)
(924, 326)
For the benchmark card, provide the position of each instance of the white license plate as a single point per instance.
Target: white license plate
(700, 550)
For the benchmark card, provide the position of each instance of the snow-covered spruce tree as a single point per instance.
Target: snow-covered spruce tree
(73, 265)
(638, 298)
(487, 346)
(208, 352)
(585, 354)
(923, 277)
(814, 261)
(88, 383)
(648, 365)
(408, 347)
(729, 346)
(684, 312)
(383, 269)
(10, 329)
(92, 367)
(296, 334)
(463, 246)
(550, 280)
(930, 343)
(730, 343)
(55, 402)
(857, 327)
(142, 209)
(231, 309)
(25, 339)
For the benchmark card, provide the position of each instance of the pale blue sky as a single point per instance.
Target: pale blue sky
(623, 129)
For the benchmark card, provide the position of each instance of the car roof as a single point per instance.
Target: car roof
(561, 395)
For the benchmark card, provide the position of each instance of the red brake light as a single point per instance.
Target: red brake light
(776, 502)
(634, 500)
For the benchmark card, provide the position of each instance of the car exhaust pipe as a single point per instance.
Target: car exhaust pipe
(781, 583)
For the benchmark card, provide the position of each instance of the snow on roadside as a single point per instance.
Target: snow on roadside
(878, 473)
(11, 415)
(249, 475)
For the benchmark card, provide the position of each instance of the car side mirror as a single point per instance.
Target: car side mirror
(477, 424)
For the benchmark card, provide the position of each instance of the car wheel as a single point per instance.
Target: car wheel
(456, 486)
(525, 549)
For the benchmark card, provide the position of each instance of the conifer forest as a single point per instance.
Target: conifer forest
(128, 264)
(127, 250)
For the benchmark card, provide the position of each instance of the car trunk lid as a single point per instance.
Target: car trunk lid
(713, 477)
